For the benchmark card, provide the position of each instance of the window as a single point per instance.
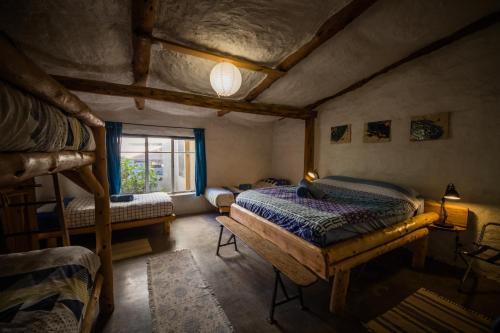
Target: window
(150, 164)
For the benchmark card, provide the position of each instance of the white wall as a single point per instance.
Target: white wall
(462, 78)
(288, 149)
(236, 152)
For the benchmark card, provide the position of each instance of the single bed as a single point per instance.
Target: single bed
(144, 209)
(49, 290)
(356, 221)
(29, 124)
(219, 197)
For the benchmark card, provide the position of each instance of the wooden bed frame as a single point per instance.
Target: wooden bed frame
(86, 169)
(336, 261)
(164, 220)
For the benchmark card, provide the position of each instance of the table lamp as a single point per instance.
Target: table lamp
(450, 194)
(313, 175)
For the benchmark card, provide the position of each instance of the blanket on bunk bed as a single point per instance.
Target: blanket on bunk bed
(46, 290)
(350, 207)
(32, 125)
(80, 211)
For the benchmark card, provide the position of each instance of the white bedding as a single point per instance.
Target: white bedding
(219, 197)
(80, 211)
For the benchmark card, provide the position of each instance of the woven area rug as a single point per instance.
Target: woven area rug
(131, 249)
(425, 311)
(179, 298)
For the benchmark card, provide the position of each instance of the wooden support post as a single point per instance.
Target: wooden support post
(52, 242)
(309, 146)
(60, 210)
(166, 228)
(339, 291)
(420, 252)
(103, 221)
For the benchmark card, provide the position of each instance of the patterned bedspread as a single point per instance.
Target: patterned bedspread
(29, 124)
(351, 207)
(46, 290)
(80, 212)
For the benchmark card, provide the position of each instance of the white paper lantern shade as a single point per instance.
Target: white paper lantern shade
(225, 79)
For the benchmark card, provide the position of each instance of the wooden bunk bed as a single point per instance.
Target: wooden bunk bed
(86, 169)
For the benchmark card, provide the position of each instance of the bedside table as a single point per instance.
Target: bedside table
(457, 215)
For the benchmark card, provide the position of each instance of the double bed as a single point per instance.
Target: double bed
(354, 221)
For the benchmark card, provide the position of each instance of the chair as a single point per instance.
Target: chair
(481, 251)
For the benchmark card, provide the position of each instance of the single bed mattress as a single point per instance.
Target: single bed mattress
(219, 197)
(350, 207)
(29, 124)
(46, 290)
(80, 212)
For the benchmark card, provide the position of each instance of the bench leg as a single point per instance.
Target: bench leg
(231, 240)
(278, 282)
(339, 292)
(419, 252)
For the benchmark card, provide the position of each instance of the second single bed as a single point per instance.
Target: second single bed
(144, 209)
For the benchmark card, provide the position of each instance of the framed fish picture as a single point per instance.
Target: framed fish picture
(377, 131)
(430, 127)
(340, 134)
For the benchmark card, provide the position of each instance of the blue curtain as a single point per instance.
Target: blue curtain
(200, 165)
(113, 147)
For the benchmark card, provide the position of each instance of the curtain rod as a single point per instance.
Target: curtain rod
(158, 126)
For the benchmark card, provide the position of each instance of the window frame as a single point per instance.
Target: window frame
(172, 160)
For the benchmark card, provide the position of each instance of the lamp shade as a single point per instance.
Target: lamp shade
(451, 193)
(313, 175)
(225, 79)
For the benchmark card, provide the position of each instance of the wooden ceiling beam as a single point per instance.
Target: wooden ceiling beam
(330, 28)
(143, 19)
(114, 89)
(215, 56)
(476, 26)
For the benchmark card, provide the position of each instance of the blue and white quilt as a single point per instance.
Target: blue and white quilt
(350, 208)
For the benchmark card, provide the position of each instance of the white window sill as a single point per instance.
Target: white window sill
(180, 194)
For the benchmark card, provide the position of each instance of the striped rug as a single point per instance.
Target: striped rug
(425, 311)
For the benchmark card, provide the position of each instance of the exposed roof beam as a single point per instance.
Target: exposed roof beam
(330, 28)
(216, 56)
(478, 25)
(114, 89)
(143, 19)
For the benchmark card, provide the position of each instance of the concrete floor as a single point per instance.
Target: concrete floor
(243, 282)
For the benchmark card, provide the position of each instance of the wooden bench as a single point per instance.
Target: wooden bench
(282, 262)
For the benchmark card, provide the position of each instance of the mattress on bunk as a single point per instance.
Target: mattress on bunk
(351, 207)
(80, 212)
(219, 197)
(29, 124)
(46, 290)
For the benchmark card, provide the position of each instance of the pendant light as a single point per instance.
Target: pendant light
(225, 79)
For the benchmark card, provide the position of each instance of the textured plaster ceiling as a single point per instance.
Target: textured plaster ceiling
(87, 39)
(92, 39)
(387, 32)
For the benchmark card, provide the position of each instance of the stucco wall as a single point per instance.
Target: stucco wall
(288, 149)
(236, 153)
(464, 79)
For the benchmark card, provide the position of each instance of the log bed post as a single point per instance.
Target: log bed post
(309, 146)
(103, 221)
(60, 211)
